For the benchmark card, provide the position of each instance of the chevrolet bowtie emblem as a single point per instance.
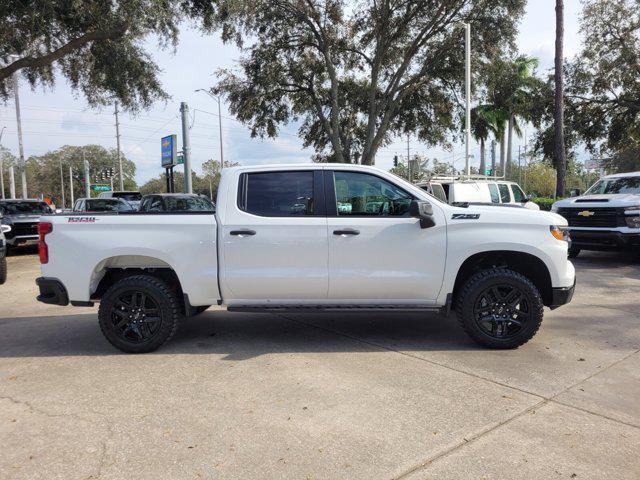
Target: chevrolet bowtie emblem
(586, 213)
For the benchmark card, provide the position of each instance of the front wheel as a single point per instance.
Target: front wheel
(139, 314)
(500, 308)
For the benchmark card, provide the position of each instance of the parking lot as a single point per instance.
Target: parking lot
(358, 396)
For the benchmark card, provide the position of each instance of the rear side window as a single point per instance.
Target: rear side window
(493, 190)
(277, 194)
(505, 196)
(518, 194)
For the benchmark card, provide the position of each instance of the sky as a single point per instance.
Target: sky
(55, 117)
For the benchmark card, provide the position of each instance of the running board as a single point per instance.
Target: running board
(334, 308)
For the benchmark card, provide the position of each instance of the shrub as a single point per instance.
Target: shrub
(543, 202)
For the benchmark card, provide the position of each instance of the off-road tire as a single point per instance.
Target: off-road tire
(3, 270)
(574, 252)
(478, 283)
(160, 293)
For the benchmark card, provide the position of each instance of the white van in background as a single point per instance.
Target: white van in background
(477, 190)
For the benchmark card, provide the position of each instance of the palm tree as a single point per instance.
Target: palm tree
(483, 124)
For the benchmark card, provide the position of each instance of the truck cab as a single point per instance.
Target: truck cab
(606, 216)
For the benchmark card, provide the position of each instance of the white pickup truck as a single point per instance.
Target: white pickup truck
(313, 237)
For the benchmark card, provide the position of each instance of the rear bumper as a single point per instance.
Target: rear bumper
(604, 240)
(561, 295)
(52, 291)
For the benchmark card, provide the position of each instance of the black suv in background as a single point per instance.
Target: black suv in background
(22, 218)
(176, 202)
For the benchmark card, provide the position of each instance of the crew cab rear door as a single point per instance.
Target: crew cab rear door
(274, 239)
(378, 254)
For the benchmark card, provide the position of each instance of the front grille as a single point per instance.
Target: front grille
(26, 228)
(593, 217)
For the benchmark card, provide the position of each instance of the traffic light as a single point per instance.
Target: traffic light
(395, 160)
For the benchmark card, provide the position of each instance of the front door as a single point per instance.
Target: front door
(378, 254)
(274, 239)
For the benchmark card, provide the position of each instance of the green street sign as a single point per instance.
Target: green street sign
(180, 159)
(487, 171)
(100, 188)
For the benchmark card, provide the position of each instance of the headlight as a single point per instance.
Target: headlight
(559, 233)
(5, 228)
(632, 216)
(554, 208)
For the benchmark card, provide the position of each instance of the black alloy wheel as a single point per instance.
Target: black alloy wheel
(501, 311)
(135, 316)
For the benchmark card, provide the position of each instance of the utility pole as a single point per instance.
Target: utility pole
(2, 166)
(186, 149)
(87, 180)
(23, 175)
(71, 184)
(62, 184)
(118, 144)
(493, 158)
(220, 124)
(467, 88)
(12, 183)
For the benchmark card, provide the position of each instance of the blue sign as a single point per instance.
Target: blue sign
(168, 149)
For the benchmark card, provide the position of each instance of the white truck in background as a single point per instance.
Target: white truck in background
(313, 237)
(605, 217)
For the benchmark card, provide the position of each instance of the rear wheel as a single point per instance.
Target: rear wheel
(3, 269)
(500, 308)
(574, 252)
(138, 314)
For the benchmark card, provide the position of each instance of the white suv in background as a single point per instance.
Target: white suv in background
(478, 190)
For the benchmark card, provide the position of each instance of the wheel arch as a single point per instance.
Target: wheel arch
(524, 263)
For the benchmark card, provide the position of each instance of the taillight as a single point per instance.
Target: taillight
(44, 228)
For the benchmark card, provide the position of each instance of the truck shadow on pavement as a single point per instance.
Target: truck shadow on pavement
(240, 336)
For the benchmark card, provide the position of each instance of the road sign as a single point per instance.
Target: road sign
(180, 159)
(96, 187)
(487, 171)
(168, 149)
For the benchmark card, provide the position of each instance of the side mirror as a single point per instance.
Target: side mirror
(424, 211)
(526, 199)
(575, 192)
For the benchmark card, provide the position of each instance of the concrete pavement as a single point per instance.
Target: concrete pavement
(335, 396)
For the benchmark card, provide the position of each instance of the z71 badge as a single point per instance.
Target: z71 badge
(465, 216)
(81, 219)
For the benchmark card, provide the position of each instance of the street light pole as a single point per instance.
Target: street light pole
(467, 88)
(118, 145)
(2, 166)
(219, 123)
(62, 184)
(23, 175)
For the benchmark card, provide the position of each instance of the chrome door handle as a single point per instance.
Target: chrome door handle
(347, 231)
(242, 232)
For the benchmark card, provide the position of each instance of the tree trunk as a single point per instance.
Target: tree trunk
(559, 151)
(509, 144)
(483, 163)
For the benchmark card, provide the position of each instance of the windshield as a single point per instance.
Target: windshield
(616, 185)
(188, 204)
(107, 205)
(128, 196)
(24, 208)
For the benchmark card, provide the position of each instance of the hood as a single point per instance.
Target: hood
(22, 218)
(602, 200)
(510, 214)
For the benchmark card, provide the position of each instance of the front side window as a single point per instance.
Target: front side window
(493, 191)
(362, 194)
(518, 194)
(278, 194)
(188, 204)
(505, 196)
